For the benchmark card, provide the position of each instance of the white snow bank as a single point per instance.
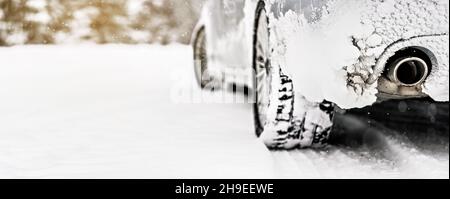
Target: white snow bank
(106, 112)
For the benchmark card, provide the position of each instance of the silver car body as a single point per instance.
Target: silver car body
(392, 25)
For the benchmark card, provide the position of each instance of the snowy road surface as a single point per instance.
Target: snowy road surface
(111, 112)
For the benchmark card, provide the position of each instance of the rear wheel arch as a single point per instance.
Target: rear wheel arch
(200, 57)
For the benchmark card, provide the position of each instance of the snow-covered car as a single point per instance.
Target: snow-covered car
(297, 54)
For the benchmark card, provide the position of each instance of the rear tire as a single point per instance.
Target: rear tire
(269, 81)
(261, 69)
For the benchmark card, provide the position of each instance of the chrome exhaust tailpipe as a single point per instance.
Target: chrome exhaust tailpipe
(408, 71)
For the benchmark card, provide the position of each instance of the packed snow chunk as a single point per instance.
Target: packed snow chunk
(317, 55)
(374, 40)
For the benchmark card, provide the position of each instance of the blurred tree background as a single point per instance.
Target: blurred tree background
(97, 21)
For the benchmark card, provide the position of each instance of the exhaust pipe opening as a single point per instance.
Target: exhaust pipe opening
(405, 73)
(408, 71)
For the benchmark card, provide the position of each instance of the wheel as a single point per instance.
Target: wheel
(269, 81)
(261, 68)
(201, 59)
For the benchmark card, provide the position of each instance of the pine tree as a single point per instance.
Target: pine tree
(108, 24)
(14, 20)
(158, 19)
(61, 13)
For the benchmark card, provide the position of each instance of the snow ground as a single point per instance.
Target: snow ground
(113, 112)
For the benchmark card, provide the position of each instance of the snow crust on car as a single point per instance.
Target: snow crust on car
(337, 56)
